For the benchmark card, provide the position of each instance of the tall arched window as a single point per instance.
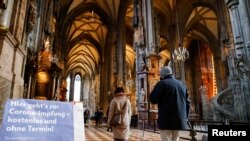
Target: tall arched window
(68, 87)
(77, 87)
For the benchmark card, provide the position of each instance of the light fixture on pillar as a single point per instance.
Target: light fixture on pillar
(180, 53)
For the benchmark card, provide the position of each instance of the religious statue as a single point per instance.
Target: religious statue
(243, 69)
(138, 26)
(203, 89)
(205, 101)
(45, 56)
(142, 95)
(142, 60)
(32, 16)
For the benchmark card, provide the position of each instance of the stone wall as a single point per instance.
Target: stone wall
(11, 69)
(5, 90)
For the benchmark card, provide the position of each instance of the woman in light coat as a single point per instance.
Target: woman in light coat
(120, 102)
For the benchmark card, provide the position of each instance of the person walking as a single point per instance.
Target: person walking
(98, 118)
(86, 117)
(171, 97)
(120, 103)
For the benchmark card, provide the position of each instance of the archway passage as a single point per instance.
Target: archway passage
(208, 78)
(200, 75)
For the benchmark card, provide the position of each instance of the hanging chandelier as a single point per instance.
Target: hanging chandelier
(180, 53)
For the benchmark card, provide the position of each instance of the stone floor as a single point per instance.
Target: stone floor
(93, 133)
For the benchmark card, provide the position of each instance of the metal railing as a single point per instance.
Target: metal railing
(196, 126)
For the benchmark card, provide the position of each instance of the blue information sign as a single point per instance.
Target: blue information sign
(37, 120)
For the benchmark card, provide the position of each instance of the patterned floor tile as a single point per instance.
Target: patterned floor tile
(93, 133)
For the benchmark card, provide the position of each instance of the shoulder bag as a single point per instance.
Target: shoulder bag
(117, 117)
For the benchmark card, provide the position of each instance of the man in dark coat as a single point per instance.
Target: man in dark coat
(171, 97)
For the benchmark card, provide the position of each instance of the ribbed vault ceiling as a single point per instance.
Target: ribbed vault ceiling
(84, 58)
(84, 55)
(204, 17)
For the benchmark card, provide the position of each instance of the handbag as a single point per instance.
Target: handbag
(117, 119)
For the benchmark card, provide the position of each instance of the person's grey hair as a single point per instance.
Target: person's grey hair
(165, 71)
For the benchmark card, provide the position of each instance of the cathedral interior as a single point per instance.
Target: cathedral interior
(81, 50)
